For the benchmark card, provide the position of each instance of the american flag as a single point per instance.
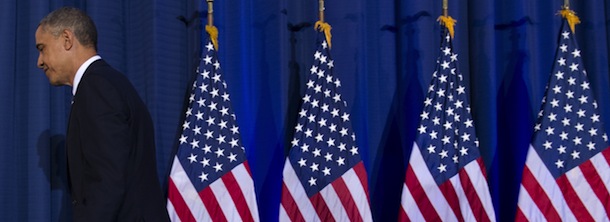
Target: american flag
(324, 177)
(446, 179)
(566, 175)
(210, 178)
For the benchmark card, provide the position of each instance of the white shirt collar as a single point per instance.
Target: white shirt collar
(81, 71)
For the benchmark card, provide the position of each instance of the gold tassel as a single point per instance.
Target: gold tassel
(448, 22)
(570, 15)
(325, 27)
(213, 32)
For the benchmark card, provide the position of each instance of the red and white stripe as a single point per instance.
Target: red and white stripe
(583, 193)
(345, 199)
(464, 197)
(230, 198)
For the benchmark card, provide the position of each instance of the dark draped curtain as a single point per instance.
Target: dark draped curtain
(384, 52)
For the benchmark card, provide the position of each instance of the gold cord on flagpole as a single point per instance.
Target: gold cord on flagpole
(446, 20)
(210, 28)
(323, 26)
(569, 15)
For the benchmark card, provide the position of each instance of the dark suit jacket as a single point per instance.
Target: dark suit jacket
(111, 151)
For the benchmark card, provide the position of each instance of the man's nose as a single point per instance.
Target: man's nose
(40, 63)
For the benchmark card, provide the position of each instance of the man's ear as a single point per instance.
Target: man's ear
(68, 37)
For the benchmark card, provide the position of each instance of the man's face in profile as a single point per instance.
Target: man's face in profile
(53, 56)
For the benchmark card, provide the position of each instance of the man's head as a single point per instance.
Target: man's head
(65, 38)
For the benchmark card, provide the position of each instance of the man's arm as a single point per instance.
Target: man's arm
(107, 146)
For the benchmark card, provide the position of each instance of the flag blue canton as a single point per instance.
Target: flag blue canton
(210, 144)
(569, 130)
(446, 134)
(324, 146)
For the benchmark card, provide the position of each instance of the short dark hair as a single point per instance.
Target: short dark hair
(73, 19)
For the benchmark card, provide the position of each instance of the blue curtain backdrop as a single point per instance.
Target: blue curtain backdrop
(384, 54)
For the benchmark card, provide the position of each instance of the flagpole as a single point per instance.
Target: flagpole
(210, 12)
(210, 28)
(569, 15)
(446, 20)
(321, 5)
(321, 25)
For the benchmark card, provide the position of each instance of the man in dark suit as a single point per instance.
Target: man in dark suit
(110, 139)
